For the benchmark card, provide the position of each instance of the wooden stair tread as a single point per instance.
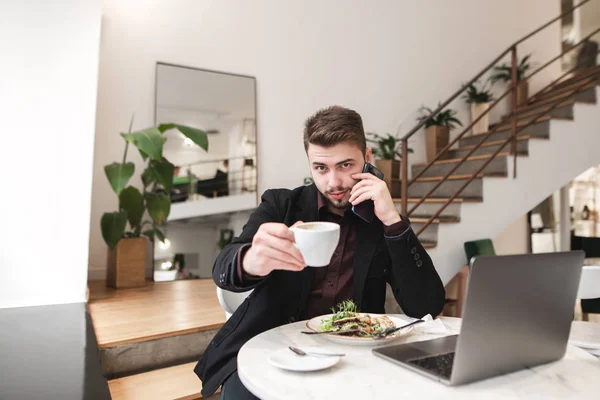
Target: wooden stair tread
(461, 176)
(564, 94)
(574, 79)
(536, 109)
(428, 245)
(471, 158)
(561, 92)
(422, 220)
(437, 220)
(442, 219)
(127, 316)
(499, 142)
(178, 382)
(523, 120)
(506, 126)
(439, 199)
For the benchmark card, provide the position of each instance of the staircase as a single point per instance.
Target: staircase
(554, 126)
(151, 337)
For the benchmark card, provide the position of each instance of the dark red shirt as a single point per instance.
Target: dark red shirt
(334, 283)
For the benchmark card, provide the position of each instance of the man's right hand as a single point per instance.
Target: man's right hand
(272, 248)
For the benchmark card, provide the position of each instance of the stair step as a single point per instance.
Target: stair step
(490, 148)
(461, 177)
(437, 220)
(439, 200)
(440, 168)
(474, 190)
(587, 95)
(563, 109)
(178, 382)
(575, 79)
(540, 129)
(430, 234)
(431, 206)
(135, 333)
(428, 245)
(422, 220)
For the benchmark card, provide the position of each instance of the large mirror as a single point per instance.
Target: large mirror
(213, 191)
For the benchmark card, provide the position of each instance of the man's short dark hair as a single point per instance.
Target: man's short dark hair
(334, 125)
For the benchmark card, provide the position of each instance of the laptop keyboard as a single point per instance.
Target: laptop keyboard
(439, 365)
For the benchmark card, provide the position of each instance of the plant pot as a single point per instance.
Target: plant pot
(436, 138)
(391, 175)
(127, 264)
(522, 93)
(483, 124)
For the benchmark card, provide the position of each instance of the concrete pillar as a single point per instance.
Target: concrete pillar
(565, 219)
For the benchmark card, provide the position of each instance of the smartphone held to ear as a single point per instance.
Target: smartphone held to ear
(366, 209)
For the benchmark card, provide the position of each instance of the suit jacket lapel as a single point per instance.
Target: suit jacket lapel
(367, 237)
(307, 212)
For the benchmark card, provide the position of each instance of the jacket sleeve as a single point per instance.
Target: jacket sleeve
(225, 270)
(415, 283)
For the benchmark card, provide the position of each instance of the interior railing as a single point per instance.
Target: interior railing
(214, 178)
(591, 75)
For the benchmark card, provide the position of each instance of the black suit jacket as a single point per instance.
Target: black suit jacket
(282, 297)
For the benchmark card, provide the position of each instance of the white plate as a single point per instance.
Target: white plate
(287, 359)
(315, 323)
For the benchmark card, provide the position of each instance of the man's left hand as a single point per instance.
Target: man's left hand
(371, 187)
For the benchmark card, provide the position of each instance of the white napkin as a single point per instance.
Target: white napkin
(431, 326)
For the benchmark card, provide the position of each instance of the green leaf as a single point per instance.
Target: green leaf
(162, 128)
(159, 234)
(162, 172)
(149, 142)
(149, 233)
(197, 136)
(159, 206)
(118, 175)
(113, 227)
(131, 200)
(148, 177)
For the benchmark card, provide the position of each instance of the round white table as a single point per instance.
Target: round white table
(362, 375)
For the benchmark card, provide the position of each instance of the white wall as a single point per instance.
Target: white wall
(48, 105)
(514, 239)
(384, 59)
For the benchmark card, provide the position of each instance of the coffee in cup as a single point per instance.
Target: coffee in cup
(316, 241)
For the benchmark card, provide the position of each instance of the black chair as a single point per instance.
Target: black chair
(214, 187)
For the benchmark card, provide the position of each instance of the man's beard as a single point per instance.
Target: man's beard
(341, 204)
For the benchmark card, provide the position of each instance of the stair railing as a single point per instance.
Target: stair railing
(591, 76)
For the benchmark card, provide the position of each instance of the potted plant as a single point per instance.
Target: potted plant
(127, 247)
(480, 100)
(503, 73)
(437, 130)
(387, 159)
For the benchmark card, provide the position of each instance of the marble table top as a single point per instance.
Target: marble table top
(585, 334)
(361, 375)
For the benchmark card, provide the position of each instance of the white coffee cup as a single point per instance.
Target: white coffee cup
(316, 241)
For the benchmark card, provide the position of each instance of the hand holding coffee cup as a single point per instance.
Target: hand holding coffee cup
(316, 241)
(273, 248)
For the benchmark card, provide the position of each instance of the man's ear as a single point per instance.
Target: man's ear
(369, 155)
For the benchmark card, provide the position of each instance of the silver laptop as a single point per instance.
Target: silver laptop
(517, 314)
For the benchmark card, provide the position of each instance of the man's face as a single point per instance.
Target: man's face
(332, 169)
